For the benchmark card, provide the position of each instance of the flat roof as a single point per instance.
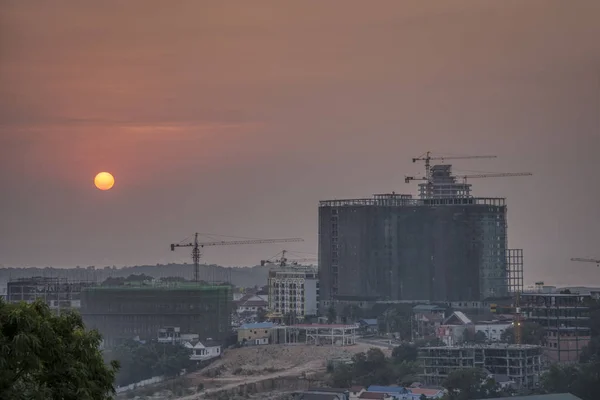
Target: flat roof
(163, 286)
(322, 326)
(492, 346)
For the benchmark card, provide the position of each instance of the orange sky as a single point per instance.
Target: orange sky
(237, 117)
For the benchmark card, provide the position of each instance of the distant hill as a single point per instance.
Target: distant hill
(239, 276)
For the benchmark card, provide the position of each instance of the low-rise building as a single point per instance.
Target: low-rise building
(203, 351)
(369, 326)
(565, 319)
(493, 330)
(520, 363)
(453, 329)
(255, 334)
(251, 304)
(427, 319)
(58, 293)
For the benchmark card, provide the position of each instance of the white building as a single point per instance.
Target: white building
(203, 351)
(251, 304)
(294, 290)
(493, 331)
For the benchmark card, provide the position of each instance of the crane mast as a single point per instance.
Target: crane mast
(427, 158)
(196, 245)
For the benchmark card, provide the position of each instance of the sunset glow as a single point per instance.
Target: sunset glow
(104, 181)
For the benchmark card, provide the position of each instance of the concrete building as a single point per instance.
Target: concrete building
(444, 246)
(294, 290)
(520, 363)
(58, 293)
(493, 330)
(565, 318)
(141, 310)
(255, 334)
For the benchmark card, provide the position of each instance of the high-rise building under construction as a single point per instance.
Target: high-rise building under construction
(444, 246)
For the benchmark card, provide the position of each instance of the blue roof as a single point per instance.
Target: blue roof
(387, 389)
(427, 307)
(258, 325)
(369, 321)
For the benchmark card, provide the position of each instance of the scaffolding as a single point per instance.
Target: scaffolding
(140, 310)
(520, 363)
(565, 319)
(316, 334)
(59, 294)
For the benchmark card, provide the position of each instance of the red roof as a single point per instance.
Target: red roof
(426, 392)
(356, 389)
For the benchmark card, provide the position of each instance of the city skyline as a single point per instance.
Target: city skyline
(238, 119)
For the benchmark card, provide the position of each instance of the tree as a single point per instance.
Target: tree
(47, 356)
(331, 315)
(261, 315)
(471, 383)
(531, 333)
(405, 353)
(480, 337)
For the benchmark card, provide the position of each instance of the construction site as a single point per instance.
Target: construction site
(443, 246)
(565, 318)
(59, 294)
(141, 310)
(520, 364)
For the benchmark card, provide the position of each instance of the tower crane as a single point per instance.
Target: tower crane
(197, 245)
(427, 159)
(407, 179)
(589, 260)
(283, 261)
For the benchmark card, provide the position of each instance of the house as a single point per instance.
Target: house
(323, 394)
(203, 351)
(375, 396)
(255, 334)
(251, 303)
(355, 392)
(493, 330)
(452, 330)
(396, 392)
(429, 393)
(369, 326)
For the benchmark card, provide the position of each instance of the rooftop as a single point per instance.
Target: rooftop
(404, 201)
(492, 346)
(258, 325)
(556, 396)
(165, 286)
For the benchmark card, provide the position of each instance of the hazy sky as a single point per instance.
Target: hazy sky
(238, 117)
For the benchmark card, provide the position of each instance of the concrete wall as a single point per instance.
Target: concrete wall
(310, 296)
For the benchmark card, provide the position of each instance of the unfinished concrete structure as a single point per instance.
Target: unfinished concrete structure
(129, 311)
(565, 318)
(444, 246)
(294, 289)
(315, 334)
(59, 294)
(520, 363)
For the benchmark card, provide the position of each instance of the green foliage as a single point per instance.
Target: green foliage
(47, 356)
(405, 353)
(480, 337)
(331, 315)
(471, 383)
(582, 380)
(351, 313)
(531, 333)
(397, 318)
(372, 368)
(143, 361)
(261, 315)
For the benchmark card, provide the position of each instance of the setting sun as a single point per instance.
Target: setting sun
(104, 181)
